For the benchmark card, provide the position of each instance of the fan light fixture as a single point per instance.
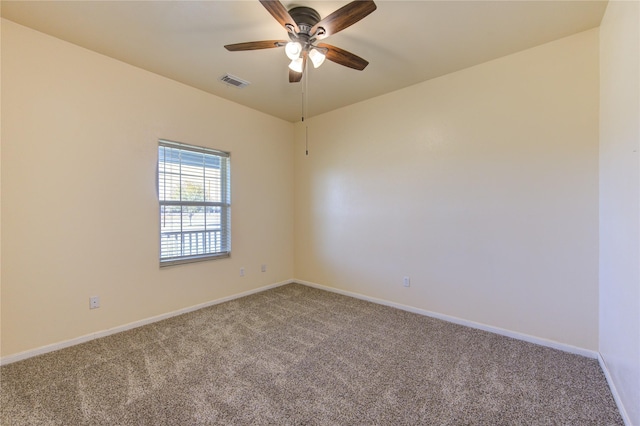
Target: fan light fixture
(317, 57)
(293, 49)
(296, 65)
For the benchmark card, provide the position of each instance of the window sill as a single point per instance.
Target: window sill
(193, 259)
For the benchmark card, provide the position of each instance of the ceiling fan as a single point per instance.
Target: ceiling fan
(305, 29)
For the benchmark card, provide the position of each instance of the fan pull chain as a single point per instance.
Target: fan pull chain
(305, 107)
(306, 128)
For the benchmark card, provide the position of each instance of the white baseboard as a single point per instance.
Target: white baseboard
(504, 332)
(88, 337)
(614, 391)
(82, 339)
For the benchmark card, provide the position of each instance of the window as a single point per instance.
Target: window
(195, 203)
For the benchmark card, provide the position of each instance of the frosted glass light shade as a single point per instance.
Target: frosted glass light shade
(296, 65)
(316, 57)
(293, 50)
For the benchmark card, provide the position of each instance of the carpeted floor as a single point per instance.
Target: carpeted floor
(296, 355)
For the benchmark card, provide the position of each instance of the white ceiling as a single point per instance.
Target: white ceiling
(405, 42)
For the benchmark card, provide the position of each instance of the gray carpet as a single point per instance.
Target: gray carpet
(297, 355)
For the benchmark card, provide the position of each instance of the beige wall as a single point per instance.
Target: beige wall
(620, 201)
(481, 186)
(79, 205)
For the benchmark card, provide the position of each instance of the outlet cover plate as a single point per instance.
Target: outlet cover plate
(94, 302)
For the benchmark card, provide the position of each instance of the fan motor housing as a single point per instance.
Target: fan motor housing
(305, 18)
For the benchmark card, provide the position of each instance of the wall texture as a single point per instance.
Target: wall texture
(481, 186)
(79, 204)
(620, 200)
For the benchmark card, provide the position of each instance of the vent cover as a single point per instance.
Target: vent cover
(232, 80)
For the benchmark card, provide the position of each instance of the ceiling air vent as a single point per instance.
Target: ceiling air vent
(234, 81)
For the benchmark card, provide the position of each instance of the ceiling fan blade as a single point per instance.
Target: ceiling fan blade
(342, 57)
(255, 45)
(343, 18)
(278, 11)
(295, 77)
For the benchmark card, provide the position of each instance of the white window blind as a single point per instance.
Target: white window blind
(195, 203)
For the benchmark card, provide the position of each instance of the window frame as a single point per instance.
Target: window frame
(224, 205)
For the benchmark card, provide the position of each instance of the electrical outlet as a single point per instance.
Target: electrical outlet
(406, 281)
(242, 271)
(263, 268)
(94, 302)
